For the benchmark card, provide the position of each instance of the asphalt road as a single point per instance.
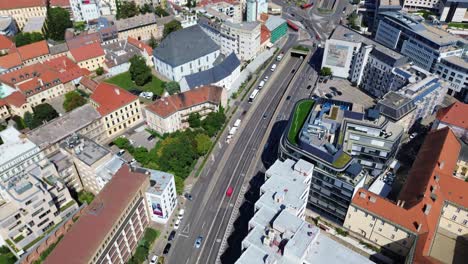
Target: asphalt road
(208, 213)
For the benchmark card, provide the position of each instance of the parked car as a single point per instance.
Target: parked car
(177, 224)
(181, 214)
(273, 67)
(135, 92)
(198, 241)
(288, 97)
(309, 86)
(154, 259)
(150, 138)
(266, 78)
(329, 96)
(167, 248)
(188, 196)
(121, 152)
(171, 235)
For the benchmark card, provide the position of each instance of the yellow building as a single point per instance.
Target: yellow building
(22, 10)
(89, 57)
(139, 27)
(119, 109)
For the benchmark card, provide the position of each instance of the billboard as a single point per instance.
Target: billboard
(337, 55)
(156, 207)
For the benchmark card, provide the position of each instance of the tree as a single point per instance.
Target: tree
(172, 87)
(29, 119)
(58, 20)
(85, 196)
(179, 184)
(203, 143)
(141, 155)
(194, 120)
(170, 27)
(127, 9)
(44, 112)
(146, 8)
(25, 38)
(213, 122)
(73, 100)
(122, 143)
(99, 71)
(160, 11)
(326, 71)
(20, 125)
(152, 42)
(139, 71)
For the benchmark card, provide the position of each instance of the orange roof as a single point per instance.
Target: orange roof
(88, 83)
(454, 115)
(66, 68)
(84, 238)
(140, 45)
(264, 17)
(5, 4)
(22, 74)
(10, 60)
(16, 98)
(87, 52)
(169, 105)
(5, 43)
(110, 97)
(33, 50)
(264, 34)
(61, 3)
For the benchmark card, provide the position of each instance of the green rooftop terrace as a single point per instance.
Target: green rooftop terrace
(301, 112)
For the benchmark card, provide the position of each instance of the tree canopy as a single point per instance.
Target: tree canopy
(58, 20)
(213, 122)
(43, 112)
(127, 9)
(194, 120)
(25, 38)
(172, 87)
(170, 27)
(326, 71)
(139, 71)
(73, 100)
(160, 11)
(203, 143)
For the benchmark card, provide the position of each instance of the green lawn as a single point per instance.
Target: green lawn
(458, 25)
(7, 258)
(342, 160)
(300, 114)
(125, 81)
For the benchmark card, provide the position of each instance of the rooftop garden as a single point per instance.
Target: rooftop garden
(458, 25)
(300, 115)
(342, 160)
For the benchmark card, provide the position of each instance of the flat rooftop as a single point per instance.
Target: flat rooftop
(159, 181)
(460, 62)
(107, 170)
(84, 149)
(62, 127)
(14, 145)
(34, 24)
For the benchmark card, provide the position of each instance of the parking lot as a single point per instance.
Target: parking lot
(342, 90)
(139, 138)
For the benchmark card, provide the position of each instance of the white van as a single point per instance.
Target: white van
(273, 67)
(260, 85)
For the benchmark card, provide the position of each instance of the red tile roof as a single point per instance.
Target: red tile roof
(88, 83)
(110, 97)
(66, 68)
(84, 238)
(140, 45)
(22, 74)
(264, 34)
(6, 4)
(454, 114)
(87, 52)
(5, 43)
(82, 40)
(61, 3)
(11, 60)
(169, 105)
(16, 98)
(33, 50)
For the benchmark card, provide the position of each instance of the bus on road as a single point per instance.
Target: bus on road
(253, 95)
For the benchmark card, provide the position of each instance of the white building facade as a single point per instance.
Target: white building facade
(161, 196)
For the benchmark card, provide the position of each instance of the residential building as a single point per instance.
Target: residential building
(418, 99)
(66, 170)
(14, 103)
(277, 26)
(453, 116)
(119, 109)
(17, 153)
(222, 75)
(107, 30)
(454, 70)
(169, 114)
(222, 10)
(370, 10)
(174, 64)
(278, 232)
(344, 143)
(242, 39)
(22, 10)
(353, 56)
(85, 10)
(430, 215)
(453, 11)
(34, 52)
(255, 8)
(34, 24)
(121, 213)
(161, 195)
(6, 45)
(8, 26)
(90, 57)
(59, 50)
(433, 5)
(461, 170)
(140, 27)
(118, 55)
(84, 120)
(424, 44)
(145, 49)
(32, 202)
(83, 39)
(105, 172)
(10, 62)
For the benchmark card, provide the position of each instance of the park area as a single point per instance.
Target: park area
(124, 80)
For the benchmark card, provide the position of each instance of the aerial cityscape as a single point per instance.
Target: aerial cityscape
(233, 131)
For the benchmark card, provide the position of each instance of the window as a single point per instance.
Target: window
(454, 217)
(396, 229)
(393, 236)
(465, 222)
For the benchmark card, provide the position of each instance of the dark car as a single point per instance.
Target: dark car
(339, 92)
(325, 81)
(309, 86)
(329, 96)
(288, 97)
(314, 96)
(151, 137)
(167, 248)
(171, 235)
(135, 91)
(333, 88)
(264, 116)
(188, 196)
(293, 71)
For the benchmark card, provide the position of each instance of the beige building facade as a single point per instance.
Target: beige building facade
(23, 14)
(93, 63)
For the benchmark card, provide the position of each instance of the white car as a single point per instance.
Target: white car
(154, 259)
(273, 67)
(181, 214)
(413, 135)
(266, 78)
(177, 224)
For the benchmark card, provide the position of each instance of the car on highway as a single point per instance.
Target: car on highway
(198, 241)
(288, 97)
(229, 191)
(260, 85)
(293, 71)
(339, 92)
(167, 248)
(181, 214)
(309, 86)
(177, 224)
(413, 135)
(264, 116)
(171, 235)
(188, 196)
(154, 259)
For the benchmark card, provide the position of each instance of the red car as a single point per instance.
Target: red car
(229, 191)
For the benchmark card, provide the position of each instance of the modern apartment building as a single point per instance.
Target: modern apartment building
(453, 11)
(119, 109)
(169, 114)
(161, 195)
(255, 8)
(414, 5)
(16, 153)
(121, 213)
(85, 10)
(174, 64)
(21, 11)
(278, 232)
(222, 10)
(140, 27)
(277, 27)
(423, 44)
(428, 222)
(454, 70)
(31, 203)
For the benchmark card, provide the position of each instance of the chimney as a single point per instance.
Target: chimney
(117, 91)
(398, 203)
(441, 164)
(402, 204)
(419, 227)
(41, 82)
